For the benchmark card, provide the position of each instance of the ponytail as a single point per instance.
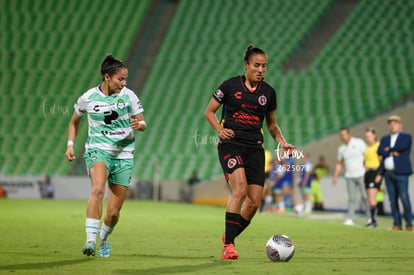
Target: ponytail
(251, 50)
(111, 65)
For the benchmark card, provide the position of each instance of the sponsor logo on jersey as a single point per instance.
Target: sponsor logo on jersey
(231, 163)
(246, 118)
(97, 108)
(113, 133)
(249, 106)
(238, 95)
(262, 100)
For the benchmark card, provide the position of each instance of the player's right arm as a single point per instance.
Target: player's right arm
(210, 115)
(338, 169)
(72, 132)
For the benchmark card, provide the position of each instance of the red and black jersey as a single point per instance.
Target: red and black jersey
(243, 110)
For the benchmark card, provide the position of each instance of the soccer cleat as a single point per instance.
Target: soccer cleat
(89, 249)
(104, 248)
(372, 224)
(229, 252)
(396, 228)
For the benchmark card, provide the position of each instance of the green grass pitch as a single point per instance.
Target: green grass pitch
(46, 237)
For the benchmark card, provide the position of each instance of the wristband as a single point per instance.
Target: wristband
(70, 143)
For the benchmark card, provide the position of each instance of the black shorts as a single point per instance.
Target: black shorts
(370, 179)
(252, 159)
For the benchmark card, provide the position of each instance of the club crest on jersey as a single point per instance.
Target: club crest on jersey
(262, 100)
(231, 163)
(120, 104)
(219, 94)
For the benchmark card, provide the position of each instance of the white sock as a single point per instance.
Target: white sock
(92, 228)
(308, 206)
(105, 231)
(281, 204)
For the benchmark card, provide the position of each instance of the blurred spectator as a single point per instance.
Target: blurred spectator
(194, 179)
(351, 156)
(3, 193)
(47, 189)
(321, 170)
(282, 179)
(188, 191)
(306, 175)
(266, 187)
(396, 167)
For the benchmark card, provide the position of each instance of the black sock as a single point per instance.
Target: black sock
(243, 225)
(232, 227)
(373, 210)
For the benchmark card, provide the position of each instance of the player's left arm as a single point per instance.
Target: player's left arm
(275, 131)
(138, 122)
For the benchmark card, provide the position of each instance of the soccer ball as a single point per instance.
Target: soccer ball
(279, 248)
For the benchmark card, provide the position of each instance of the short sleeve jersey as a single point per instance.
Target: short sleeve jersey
(244, 110)
(109, 120)
(352, 154)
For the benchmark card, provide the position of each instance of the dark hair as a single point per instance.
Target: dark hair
(370, 129)
(251, 50)
(345, 129)
(110, 65)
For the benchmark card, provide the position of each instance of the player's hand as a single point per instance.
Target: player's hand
(289, 148)
(70, 153)
(226, 133)
(334, 181)
(377, 179)
(139, 125)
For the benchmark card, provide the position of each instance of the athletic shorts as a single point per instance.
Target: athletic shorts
(119, 170)
(252, 159)
(369, 179)
(278, 186)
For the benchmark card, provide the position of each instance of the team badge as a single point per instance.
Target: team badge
(231, 163)
(262, 100)
(219, 94)
(120, 104)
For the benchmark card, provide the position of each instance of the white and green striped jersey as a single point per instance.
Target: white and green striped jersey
(109, 120)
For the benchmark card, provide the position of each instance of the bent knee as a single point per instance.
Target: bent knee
(98, 191)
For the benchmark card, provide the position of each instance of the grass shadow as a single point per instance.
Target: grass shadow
(42, 265)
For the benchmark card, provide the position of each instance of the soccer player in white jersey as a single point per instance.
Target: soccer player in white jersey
(114, 112)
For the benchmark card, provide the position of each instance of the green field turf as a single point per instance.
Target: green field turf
(46, 237)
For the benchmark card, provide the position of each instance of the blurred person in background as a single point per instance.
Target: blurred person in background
(188, 192)
(321, 170)
(372, 162)
(113, 112)
(351, 156)
(3, 193)
(48, 189)
(268, 172)
(247, 102)
(395, 167)
(305, 180)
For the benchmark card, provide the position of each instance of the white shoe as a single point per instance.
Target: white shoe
(349, 222)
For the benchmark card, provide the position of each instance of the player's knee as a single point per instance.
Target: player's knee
(253, 205)
(98, 191)
(239, 194)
